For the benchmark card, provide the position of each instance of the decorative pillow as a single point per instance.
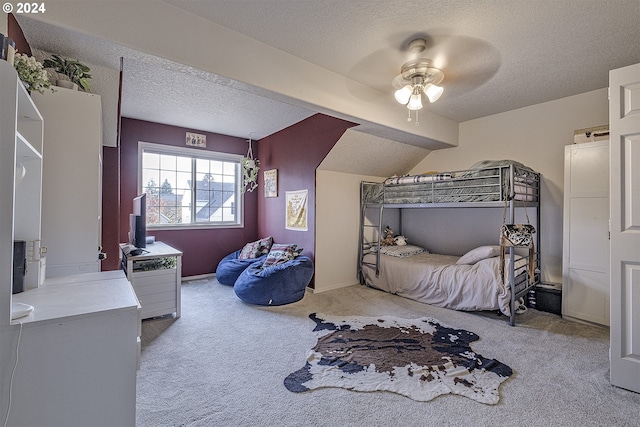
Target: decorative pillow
(478, 254)
(267, 242)
(257, 248)
(401, 251)
(281, 253)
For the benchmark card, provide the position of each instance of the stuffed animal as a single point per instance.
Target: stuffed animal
(400, 240)
(388, 237)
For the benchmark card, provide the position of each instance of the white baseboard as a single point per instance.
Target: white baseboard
(332, 287)
(199, 277)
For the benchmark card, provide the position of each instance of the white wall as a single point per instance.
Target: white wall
(337, 228)
(535, 136)
(456, 231)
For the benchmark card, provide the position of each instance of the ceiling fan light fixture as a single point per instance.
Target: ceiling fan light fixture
(415, 102)
(433, 92)
(416, 77)
(403, 94)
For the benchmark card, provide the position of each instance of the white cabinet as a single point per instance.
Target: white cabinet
(71, 190)
(156, 278)
(585, 266)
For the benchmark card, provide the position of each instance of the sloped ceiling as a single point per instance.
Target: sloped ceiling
(384, 156)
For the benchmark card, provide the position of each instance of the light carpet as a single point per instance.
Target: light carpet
(223, 364)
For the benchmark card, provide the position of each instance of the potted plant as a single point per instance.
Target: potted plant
(31, 73)
(77, 72)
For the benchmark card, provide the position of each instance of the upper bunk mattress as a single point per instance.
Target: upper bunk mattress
(486, 181)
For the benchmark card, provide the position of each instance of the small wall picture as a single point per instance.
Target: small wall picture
(271, 183)
(296, 210)
(196, 140)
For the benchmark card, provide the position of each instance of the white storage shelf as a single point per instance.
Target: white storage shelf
(156, 277)
(72, 360)
(21, 133)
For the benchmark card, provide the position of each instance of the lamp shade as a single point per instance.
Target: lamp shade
(402, 95)
(415, 103)
(433, 92)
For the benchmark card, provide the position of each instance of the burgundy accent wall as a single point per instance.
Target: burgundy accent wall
(14, 31)
(295, 152)
(202, 248)
(110, 208)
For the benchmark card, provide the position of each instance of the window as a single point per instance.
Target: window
(189, 187)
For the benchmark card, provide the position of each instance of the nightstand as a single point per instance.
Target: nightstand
(156, 278)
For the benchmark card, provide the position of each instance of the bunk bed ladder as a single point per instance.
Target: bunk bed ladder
(369, 241)
(368, 245)
(535, 278)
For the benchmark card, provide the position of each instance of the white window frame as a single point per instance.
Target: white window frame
(201, 154)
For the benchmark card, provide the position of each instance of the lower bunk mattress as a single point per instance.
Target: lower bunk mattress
(437, 280)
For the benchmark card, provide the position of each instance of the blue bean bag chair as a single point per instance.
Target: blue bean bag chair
(230, 267)
(276, 284)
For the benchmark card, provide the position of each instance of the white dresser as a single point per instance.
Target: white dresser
(78, 353)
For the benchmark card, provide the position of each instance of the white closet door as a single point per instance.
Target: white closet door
(624, 119)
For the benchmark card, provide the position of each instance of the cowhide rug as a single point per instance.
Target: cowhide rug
(418, 358)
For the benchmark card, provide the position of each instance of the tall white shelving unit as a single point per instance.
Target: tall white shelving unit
(21, 136)
(73, 359)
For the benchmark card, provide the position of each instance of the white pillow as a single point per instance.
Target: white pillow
(401, 251)
(478, 254)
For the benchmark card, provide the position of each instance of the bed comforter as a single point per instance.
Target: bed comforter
(437, 280)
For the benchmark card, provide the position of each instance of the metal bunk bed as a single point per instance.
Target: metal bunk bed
(490, 184)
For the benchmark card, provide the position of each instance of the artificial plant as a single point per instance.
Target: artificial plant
(76, 71)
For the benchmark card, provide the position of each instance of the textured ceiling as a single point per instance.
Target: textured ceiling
(198, 100)
(163, 91)
(497, 55)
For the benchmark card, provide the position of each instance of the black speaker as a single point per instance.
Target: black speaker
(19, 265)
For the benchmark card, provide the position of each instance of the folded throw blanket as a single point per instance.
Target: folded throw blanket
(413, 179)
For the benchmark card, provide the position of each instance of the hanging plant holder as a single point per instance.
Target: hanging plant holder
(250, 167)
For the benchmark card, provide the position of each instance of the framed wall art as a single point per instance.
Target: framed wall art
(196, 140)
(271, 183)
(297, 209)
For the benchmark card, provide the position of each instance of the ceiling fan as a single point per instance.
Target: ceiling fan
(417, 77)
